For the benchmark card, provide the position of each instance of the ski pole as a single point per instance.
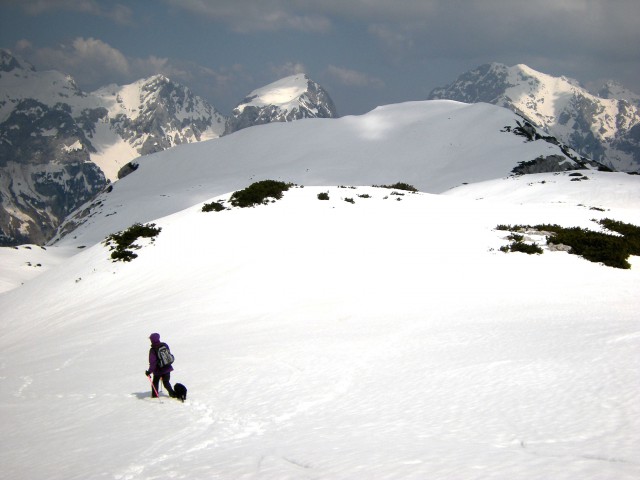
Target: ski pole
(153, 386)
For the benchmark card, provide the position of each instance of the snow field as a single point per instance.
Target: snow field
(322, 339)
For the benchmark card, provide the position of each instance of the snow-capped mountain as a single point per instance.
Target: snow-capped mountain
(605, 128)
(154, 114)
(433, 145)
(291, 98)
(59, 145)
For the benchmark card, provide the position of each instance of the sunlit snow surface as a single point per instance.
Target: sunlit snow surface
(283, 93)
(387, 338)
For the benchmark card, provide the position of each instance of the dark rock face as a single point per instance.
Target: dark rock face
(45, 171)
(169, 114)
(38, 202)
(550, 163)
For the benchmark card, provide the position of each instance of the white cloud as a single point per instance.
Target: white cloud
(352, 78)
(286, 69)
(88, 60)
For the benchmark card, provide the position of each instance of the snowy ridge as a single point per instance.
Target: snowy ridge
(614, 90)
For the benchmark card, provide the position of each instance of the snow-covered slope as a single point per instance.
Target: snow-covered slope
(603, 128)
(384, 338)
(290, 98)
(433, 145)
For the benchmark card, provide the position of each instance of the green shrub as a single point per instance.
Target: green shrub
(349, 200)
(522, 247)
(213, 207)
(122, 243)
(630, 232)
(257, 193)
(364, 195)
(323, 196)
(399, 186)
(611, 250)
(593, 246)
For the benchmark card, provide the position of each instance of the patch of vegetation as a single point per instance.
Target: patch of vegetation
(605, 248)
(364, 195)
(323, 196)
(516, 237)
(213, 207)
(349, 200)
(520, 246)
(399, 186)
(122, 243)
(257, 193)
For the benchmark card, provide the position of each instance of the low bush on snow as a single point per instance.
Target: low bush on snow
(259, 192)
(213, 207)
(611, 250)
(519, 246)
(399, 186)
(122, 243)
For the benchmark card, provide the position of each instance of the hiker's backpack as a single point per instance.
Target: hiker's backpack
(164, 356)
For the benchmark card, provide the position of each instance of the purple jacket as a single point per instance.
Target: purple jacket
(153, 358)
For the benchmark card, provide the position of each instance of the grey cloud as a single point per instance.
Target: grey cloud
(245, 16)
(118, 13)
(353, 78)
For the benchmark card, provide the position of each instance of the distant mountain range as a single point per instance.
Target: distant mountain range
(59, 146)
(604, 126)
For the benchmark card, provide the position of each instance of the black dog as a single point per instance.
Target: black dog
(181, 391)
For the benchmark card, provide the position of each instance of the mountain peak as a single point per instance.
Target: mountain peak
(281, 93)
(290, 98)
(9, 62)
(614, 90)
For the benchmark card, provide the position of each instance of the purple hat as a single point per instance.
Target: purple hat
(154, 337)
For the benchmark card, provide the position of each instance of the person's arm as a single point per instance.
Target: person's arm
(153, 360)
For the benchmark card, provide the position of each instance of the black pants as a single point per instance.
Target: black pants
(165, 381)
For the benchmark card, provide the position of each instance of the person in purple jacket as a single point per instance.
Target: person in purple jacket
(163, 373)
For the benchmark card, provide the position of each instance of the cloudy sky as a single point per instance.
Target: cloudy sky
(364, 52)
